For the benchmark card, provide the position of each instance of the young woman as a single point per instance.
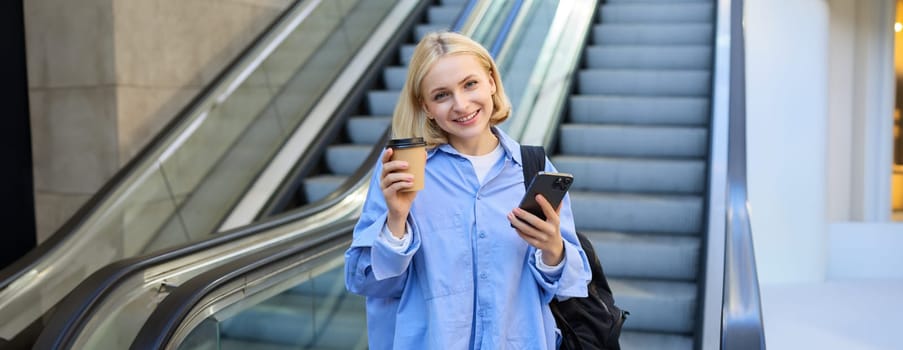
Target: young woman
(457, 265)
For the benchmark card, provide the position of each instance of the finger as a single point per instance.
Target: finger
(387, 155)
(528, 217)
(551, 213)
(399, 186)
(525, 228)
(394, 166)
(393, 178)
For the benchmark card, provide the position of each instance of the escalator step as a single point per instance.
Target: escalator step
(638, 175)
(637, 212)
(656, 306)
(639, 255)
(648, 57)
(638, 12)
(652, 34)
(346, 159)
(643, 82)
(320, 186)
(394, 77)
(655, 341)
(382, 102)
(593, 109)
(367, 129)
(634, 141)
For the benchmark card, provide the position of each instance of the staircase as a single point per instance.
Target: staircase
(636, 138)
(363, 131)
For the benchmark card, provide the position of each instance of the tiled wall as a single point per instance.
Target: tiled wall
(106, 75)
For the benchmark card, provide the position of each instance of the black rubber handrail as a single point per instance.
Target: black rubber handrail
(72, 313)
(168, 316)
(742, 327)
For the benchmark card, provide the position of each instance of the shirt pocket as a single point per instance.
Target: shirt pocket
(445, 258)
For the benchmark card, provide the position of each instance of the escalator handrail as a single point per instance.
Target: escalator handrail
(170, 314)
(742, 325)
(78, 307)
(167, 318)
(290, 18)
(545, 104)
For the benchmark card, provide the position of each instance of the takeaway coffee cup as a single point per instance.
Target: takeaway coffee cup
(413, 151)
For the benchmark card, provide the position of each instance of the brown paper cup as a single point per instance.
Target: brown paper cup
(413, 151)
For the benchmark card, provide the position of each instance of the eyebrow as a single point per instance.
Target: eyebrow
(471, 76)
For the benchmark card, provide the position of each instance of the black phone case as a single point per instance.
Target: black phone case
(553, 186)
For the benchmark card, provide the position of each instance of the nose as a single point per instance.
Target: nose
(460, 102)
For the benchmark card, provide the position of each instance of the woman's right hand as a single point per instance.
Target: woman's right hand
(392, 182)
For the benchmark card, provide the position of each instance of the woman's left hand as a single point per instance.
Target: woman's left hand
(544, 235)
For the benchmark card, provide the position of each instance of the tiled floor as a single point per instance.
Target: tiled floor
(861, 315)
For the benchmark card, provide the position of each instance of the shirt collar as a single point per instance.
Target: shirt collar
(511, 147)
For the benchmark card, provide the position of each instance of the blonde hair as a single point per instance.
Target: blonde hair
(409, 119)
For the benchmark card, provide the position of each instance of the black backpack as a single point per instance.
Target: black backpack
(587, 323)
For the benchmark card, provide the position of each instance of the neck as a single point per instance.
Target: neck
(478, 146)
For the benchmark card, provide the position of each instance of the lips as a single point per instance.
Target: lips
(468, 117)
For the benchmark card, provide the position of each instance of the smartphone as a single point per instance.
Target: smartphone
(552, 186)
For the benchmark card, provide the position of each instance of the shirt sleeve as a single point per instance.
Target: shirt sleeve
(373, 267)
(575, 272)
(399, 244)
(552, 272)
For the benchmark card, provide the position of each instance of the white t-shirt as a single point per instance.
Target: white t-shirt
(482, 164)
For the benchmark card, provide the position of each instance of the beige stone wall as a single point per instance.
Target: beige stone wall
(106, 75)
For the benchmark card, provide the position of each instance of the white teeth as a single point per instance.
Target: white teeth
(469, 117)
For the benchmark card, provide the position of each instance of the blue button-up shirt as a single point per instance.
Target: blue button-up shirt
(467, 280)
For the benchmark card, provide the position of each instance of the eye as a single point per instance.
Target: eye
(439, 96)
(470, 84)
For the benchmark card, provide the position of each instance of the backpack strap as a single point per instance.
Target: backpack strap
(534, 161)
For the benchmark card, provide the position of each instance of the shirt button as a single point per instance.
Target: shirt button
(482, 234)
(483, 275)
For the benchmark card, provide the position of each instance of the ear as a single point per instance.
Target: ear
(426, 111)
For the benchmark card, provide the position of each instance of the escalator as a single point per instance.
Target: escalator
(636, 137)
(119, 293)
(664, 272)
(166, 204)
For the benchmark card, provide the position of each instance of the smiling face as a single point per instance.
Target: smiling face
(457, 96)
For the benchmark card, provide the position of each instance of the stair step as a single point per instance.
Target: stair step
(641, 110)
(649, 57)
(382, 102)
(630, 212)
(655, 341)
(345, 159)
(652, 34)
(656, 306)
(638, 255)
(405, 54)
(443, 14)
(319, 186)
(633, 141)
(394, 77)
(655, 1)
(657, 12)
(422, 30)
(367, 130)
(644, 82)
(639, 175)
